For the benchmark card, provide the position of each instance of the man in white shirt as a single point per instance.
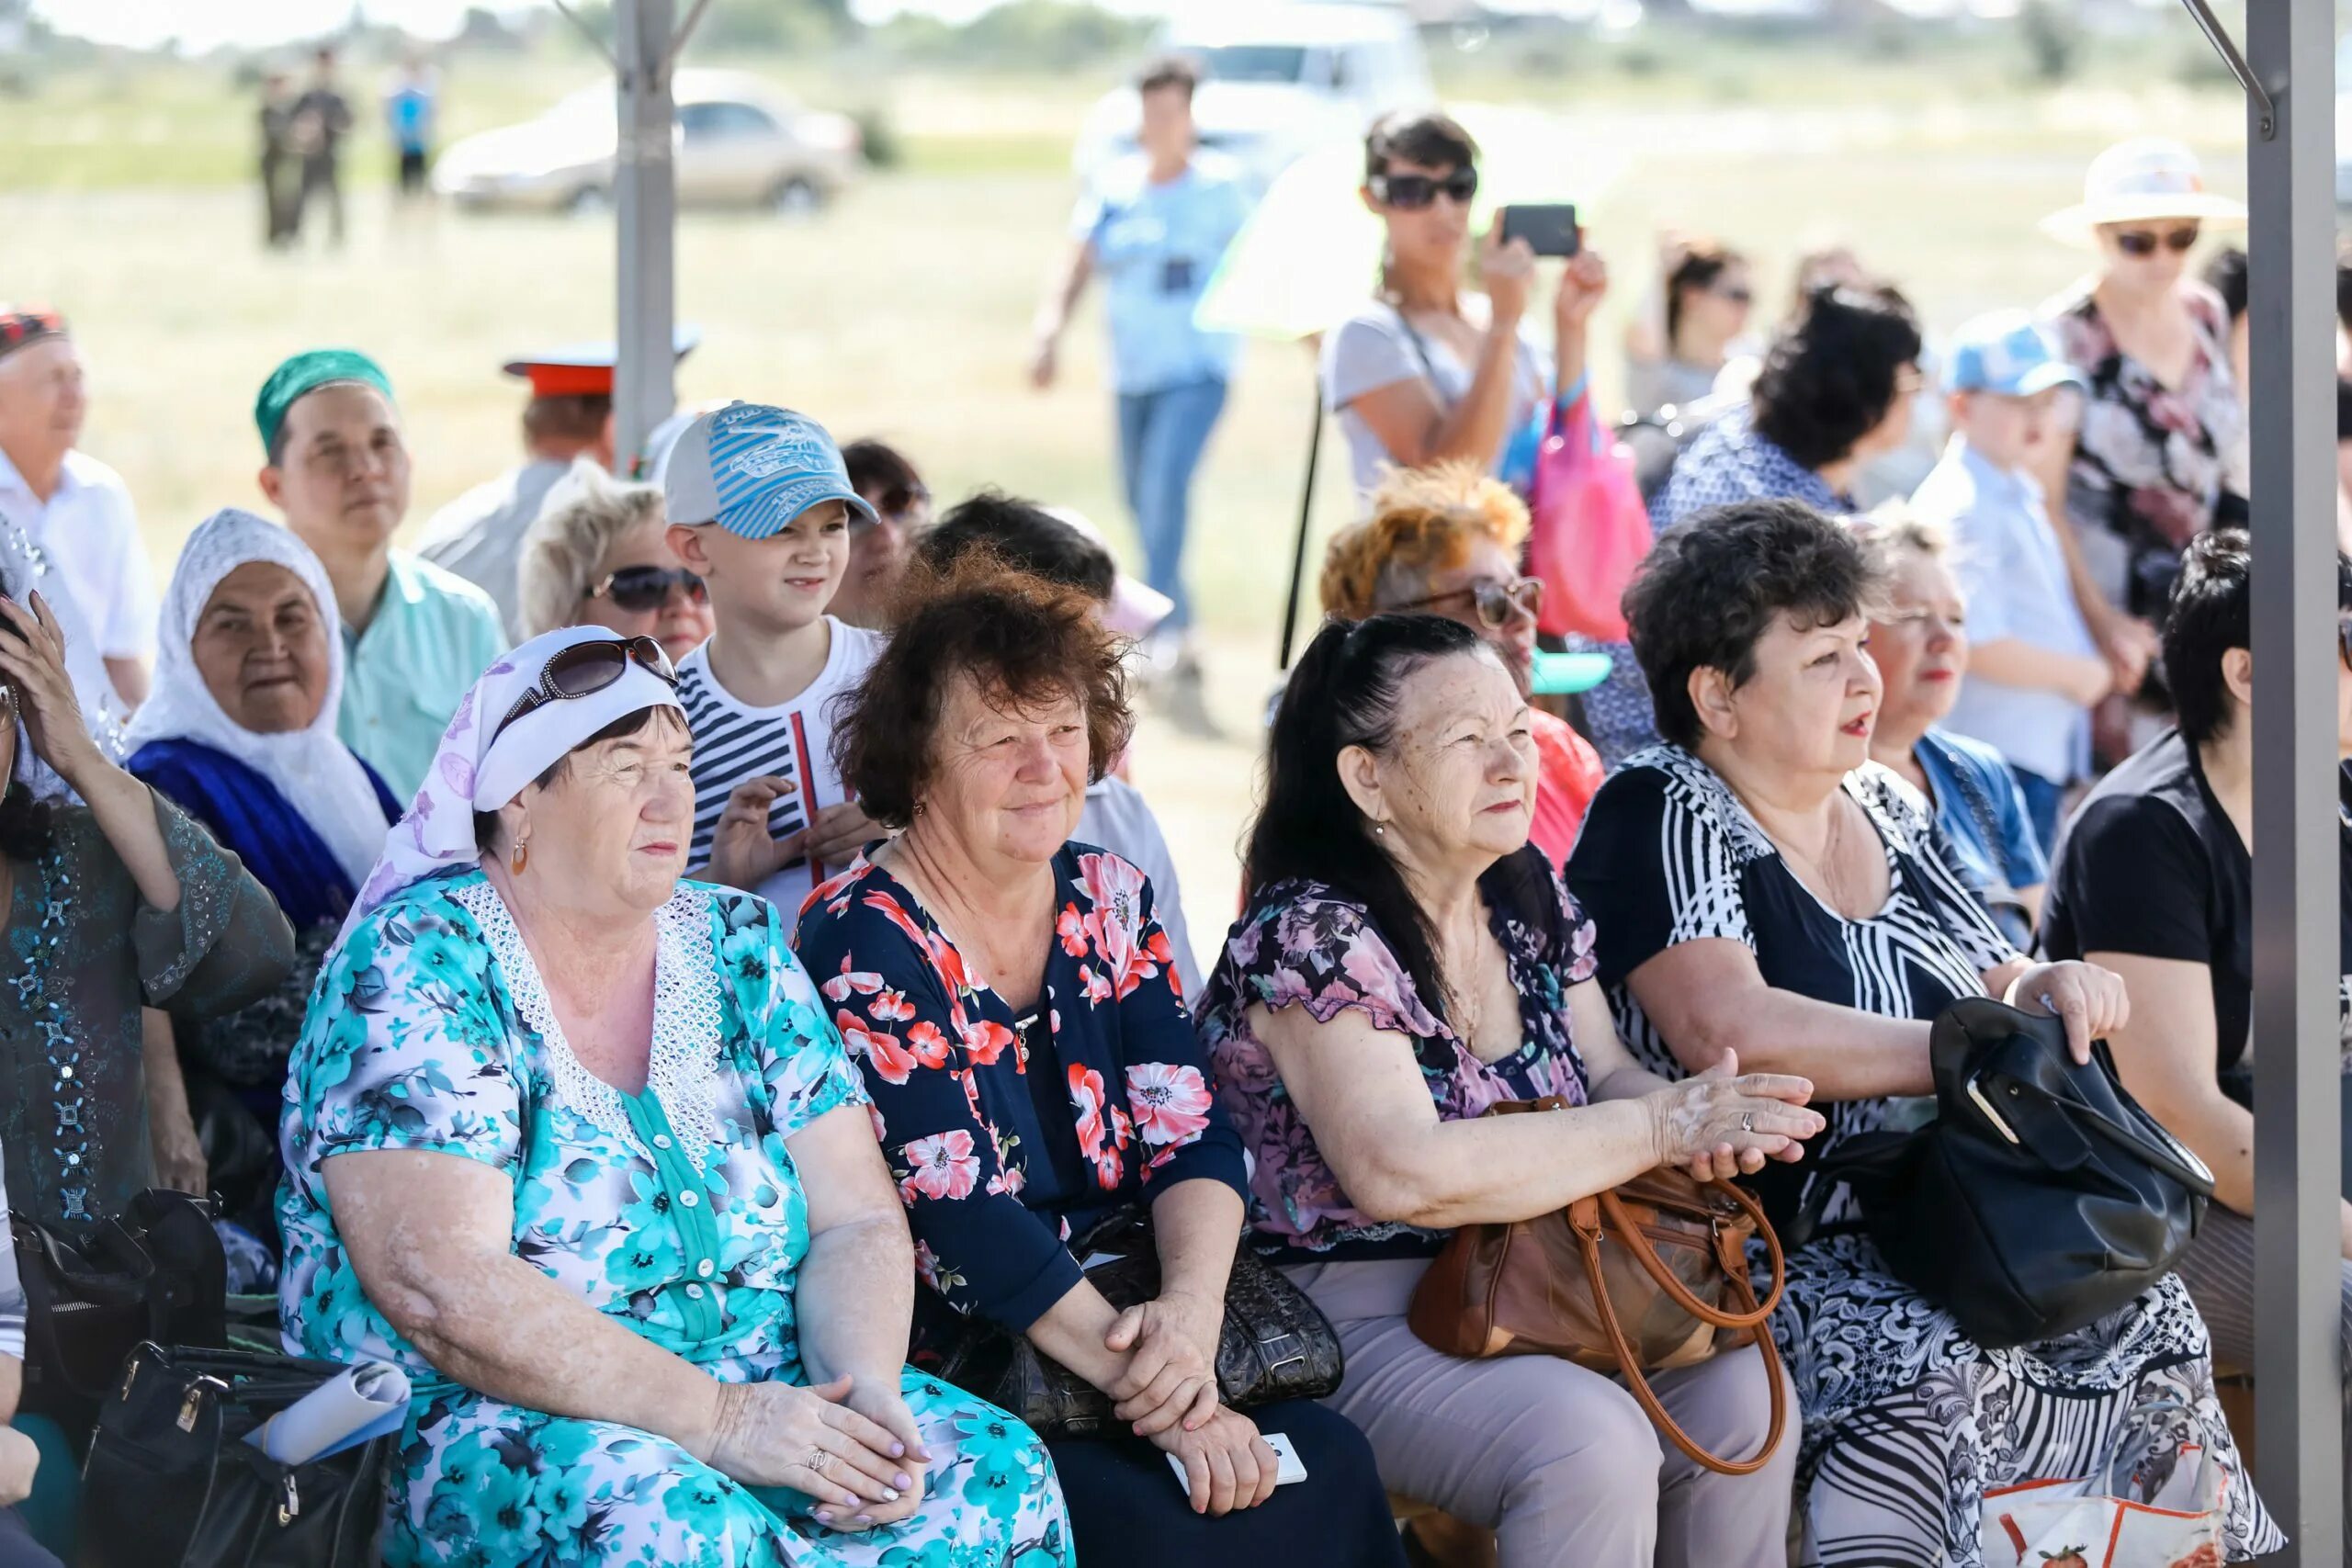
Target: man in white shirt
(79, 532)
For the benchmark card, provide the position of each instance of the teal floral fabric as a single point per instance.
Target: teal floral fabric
(677, 1210)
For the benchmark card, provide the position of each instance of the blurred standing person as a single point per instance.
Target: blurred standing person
(1428, 372)
(415, 637)
(1675, 353)
(411, 107)
(879, 546)
(2035, 670)
(2157, 456)
(79, 530)
(322, 119)
(277, 160)
(1155, 224)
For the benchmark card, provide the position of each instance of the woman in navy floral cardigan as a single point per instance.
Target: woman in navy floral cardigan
(1012, 1003)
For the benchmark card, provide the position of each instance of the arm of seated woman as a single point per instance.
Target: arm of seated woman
(1706, 998)
(430, 1238)
(1171, 1340)
(1363, 1095)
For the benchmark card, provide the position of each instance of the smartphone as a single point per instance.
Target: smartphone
(1550, 228)
(1289, 1467)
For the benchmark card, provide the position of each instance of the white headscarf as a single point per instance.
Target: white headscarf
(480, 767)
(311, 767)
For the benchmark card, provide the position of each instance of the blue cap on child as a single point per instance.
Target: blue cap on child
(751, 468)
(2010, 353)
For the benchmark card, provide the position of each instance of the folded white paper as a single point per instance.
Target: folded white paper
(368, 1398)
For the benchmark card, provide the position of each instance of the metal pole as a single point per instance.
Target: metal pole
(646, 200)
(2290, 172)
(1306, 520)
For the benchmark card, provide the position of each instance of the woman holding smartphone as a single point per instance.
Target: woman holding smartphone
(1427, 371)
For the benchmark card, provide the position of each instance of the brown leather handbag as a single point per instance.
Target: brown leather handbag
(1646, 1276)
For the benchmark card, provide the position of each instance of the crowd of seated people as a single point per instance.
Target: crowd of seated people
(676, 1041)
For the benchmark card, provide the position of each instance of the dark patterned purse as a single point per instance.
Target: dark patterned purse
(1277, 1344)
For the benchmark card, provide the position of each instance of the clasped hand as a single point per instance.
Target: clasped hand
(855, 1451)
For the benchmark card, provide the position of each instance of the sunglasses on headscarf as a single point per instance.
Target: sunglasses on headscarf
(587, 667)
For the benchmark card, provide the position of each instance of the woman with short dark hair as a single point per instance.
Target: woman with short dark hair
(1705, 297)
(1008, 995)
(1761, 887)
(1425, 372)
(878, 545)
(1834, 391)
(2155, 881)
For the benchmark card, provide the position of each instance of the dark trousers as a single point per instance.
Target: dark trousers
(276, 199)
(1126, 1505)
(322, 178)
(17, 1547)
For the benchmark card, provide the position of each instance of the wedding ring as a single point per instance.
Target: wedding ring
(1748, 1120)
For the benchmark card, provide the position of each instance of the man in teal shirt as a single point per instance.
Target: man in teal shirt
(415, 637)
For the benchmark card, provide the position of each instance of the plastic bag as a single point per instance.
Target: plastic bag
(2083, 1524)
(1591, 529)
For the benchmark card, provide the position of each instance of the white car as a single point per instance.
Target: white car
(1276, 79)
(738, 143)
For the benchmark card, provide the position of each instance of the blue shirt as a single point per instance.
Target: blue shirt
(1728, 462)
(431, 638)
(408, 109)
(2013, 572)
(1982, 817)
(1156, 246)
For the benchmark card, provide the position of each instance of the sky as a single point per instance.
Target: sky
(207, 23)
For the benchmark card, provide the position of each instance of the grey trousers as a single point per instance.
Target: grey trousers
(1560, 1462)
(2218, 1271)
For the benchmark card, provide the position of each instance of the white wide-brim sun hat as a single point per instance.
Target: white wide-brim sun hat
(2144, 180)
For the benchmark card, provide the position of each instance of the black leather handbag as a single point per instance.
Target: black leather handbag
(2041, 1198)
(152, 1272)
(1277, 1344)
(171, 1482)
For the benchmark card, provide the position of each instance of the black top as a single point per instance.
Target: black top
(2151, 864)
(1669, 854)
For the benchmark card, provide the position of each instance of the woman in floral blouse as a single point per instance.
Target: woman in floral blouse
(1408, 960)
(569, 1141)
(1009, 999)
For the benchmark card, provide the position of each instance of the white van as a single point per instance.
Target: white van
(1276, 79)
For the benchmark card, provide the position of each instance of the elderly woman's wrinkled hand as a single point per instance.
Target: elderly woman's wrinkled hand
(773, 1434)
(2091, 1000)
(1227, 1464)
(33, 663)
(1720, 1123)
(1171, 1373)
(882, 1404)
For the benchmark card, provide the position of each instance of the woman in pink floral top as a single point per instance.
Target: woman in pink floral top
(1407, 961)
(1009, 999)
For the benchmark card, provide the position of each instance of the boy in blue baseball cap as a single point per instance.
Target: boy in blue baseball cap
(2034, 669)
(760, 506)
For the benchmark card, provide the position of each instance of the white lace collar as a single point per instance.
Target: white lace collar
(687, 1022)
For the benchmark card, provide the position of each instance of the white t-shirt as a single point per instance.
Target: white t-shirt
(1119, 820)
(89, 531)
(793, 740)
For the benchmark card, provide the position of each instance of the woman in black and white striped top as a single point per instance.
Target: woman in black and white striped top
(1761, 889)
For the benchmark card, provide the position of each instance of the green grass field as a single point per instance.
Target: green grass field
(903, 312)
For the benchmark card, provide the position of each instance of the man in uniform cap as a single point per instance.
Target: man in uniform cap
(479, 534)
(74, 534)
(415, 637)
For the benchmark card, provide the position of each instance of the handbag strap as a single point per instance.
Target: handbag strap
(1638, 1385)
(1629, 1233)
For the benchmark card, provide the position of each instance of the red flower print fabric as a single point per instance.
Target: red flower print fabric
(1003, 1124)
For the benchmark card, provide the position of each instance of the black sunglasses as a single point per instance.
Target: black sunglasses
(1742, 295)
(894, 503)
(637, 589)
(1494, 600)
(1411, 193)
(2143, 242)
(587, 667)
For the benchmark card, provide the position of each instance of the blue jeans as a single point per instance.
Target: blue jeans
(2041, 801)
(1161, 436)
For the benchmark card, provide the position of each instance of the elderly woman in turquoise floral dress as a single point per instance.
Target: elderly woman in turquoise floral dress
(569, 1140)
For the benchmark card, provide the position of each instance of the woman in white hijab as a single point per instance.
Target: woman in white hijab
(240, 733)
(574, 1145)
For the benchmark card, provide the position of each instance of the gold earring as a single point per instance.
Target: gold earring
(520, 858)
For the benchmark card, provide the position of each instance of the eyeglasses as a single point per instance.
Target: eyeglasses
(1495, 602)
(2143, 242)
(637, 589)
(1739, 294)
(1411, 193)
(893, 504)
(587, 667)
